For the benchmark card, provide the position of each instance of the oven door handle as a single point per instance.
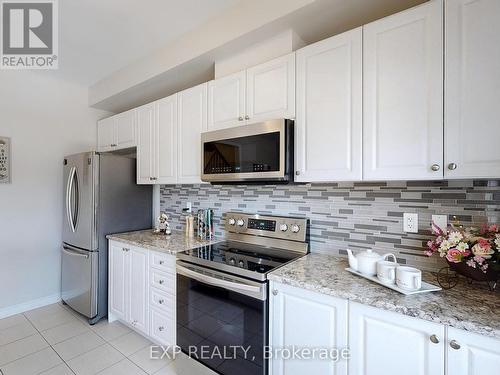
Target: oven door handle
(229, 285)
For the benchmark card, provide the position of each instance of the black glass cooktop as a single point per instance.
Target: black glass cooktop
(248, 260)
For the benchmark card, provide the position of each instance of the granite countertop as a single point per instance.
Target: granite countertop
(469, 307)
(173, 244)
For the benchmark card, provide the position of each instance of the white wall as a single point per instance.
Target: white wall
(46, 119)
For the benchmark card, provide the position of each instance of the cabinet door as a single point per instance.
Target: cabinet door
(306, 319)
(138, 296)
(146, 125)
(226, 101)
(166, 141)
(271, 90)
(384, 342)
(472, 89)
(329, 110)
(105, 134)
(192, 122)
(117, 280)
(403, 95)
(471, 354)
(125, 129)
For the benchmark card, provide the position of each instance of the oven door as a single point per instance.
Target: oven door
(257, 152)
(221, 320)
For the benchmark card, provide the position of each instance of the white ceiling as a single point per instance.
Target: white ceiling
(98, 37)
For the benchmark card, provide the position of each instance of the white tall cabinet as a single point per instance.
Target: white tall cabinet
(306, 320)
(192, 121)
(403, 95)
(472, 89)
(328, 142)
(263, 92)
(384, 343)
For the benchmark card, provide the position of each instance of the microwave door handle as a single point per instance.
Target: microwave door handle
(69, 188)
(236, 287)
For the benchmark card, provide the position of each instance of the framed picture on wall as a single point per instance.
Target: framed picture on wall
(5, 160)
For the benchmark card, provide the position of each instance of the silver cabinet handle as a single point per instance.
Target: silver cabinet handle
(72, 252)
(161, 328)
(161, 262)
(434, 339)
(275, 292)
(435, 167)
(247, 117)
(452, 166)
(161, 302)
(454, 344)
(125, 249)
(240, 118)
(161, 282)
(297, 173)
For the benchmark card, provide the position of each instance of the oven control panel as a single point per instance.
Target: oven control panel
(290, 228)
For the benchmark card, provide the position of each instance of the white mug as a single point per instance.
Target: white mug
(408, 278)
(386, 270)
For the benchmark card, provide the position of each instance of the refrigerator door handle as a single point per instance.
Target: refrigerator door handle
(72, 252)
(69, 192)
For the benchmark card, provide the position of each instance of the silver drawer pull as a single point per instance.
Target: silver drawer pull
(275, 292)
(161, 301)
(454, 344)
(161, 262)
(161, 282)
(434, 339)
(161, 328)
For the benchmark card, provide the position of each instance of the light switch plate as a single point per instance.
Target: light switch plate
(410, 223)
(441, 221)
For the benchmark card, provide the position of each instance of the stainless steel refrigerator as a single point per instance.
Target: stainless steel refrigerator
(100, 197)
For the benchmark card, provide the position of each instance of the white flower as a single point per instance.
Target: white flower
(462, 246)
(497, 241)
(455, 237)
(445, 245)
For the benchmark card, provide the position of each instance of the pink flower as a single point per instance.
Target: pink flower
(485, 244)
(479, 259)
(471, 263)
(454, 256)
(482, 251)
(428, 253)
(494, 228)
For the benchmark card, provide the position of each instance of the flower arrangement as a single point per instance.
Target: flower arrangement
(479, 248)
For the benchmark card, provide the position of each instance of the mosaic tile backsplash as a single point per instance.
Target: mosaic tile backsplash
(360, 215)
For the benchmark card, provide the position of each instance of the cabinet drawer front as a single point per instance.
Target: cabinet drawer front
(163, 301)
(163, 280)
(163, 262)
(162, 327)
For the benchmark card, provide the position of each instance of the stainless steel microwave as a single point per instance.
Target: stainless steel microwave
(261, 152)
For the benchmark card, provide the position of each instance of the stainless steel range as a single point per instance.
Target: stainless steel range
(222, 290)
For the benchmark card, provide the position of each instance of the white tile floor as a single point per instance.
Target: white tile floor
(54, 340)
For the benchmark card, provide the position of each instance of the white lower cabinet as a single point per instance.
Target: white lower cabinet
(142, 291)
(306, 320)
(387, 343)
(472, 354)
(379, 341)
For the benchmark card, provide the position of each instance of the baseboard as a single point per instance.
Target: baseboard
(29, 305)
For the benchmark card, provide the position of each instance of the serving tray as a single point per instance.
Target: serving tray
(426, 287)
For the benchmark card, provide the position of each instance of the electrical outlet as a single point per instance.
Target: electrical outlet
(441, 221)
(410, 223)
(188, 206)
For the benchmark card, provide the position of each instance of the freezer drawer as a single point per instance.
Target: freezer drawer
(79, 281)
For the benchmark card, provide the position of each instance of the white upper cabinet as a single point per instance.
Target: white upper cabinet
(166, 141)
(271, 90)
(117, 132)
(226, 101)
(472, 354)
(328, 129)
(383, 343)
(105, 134)
(472, 89)
(403, 95)
(305, 319)
(192, 121)
(263, 92)
(146, 131)
(125, 129)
